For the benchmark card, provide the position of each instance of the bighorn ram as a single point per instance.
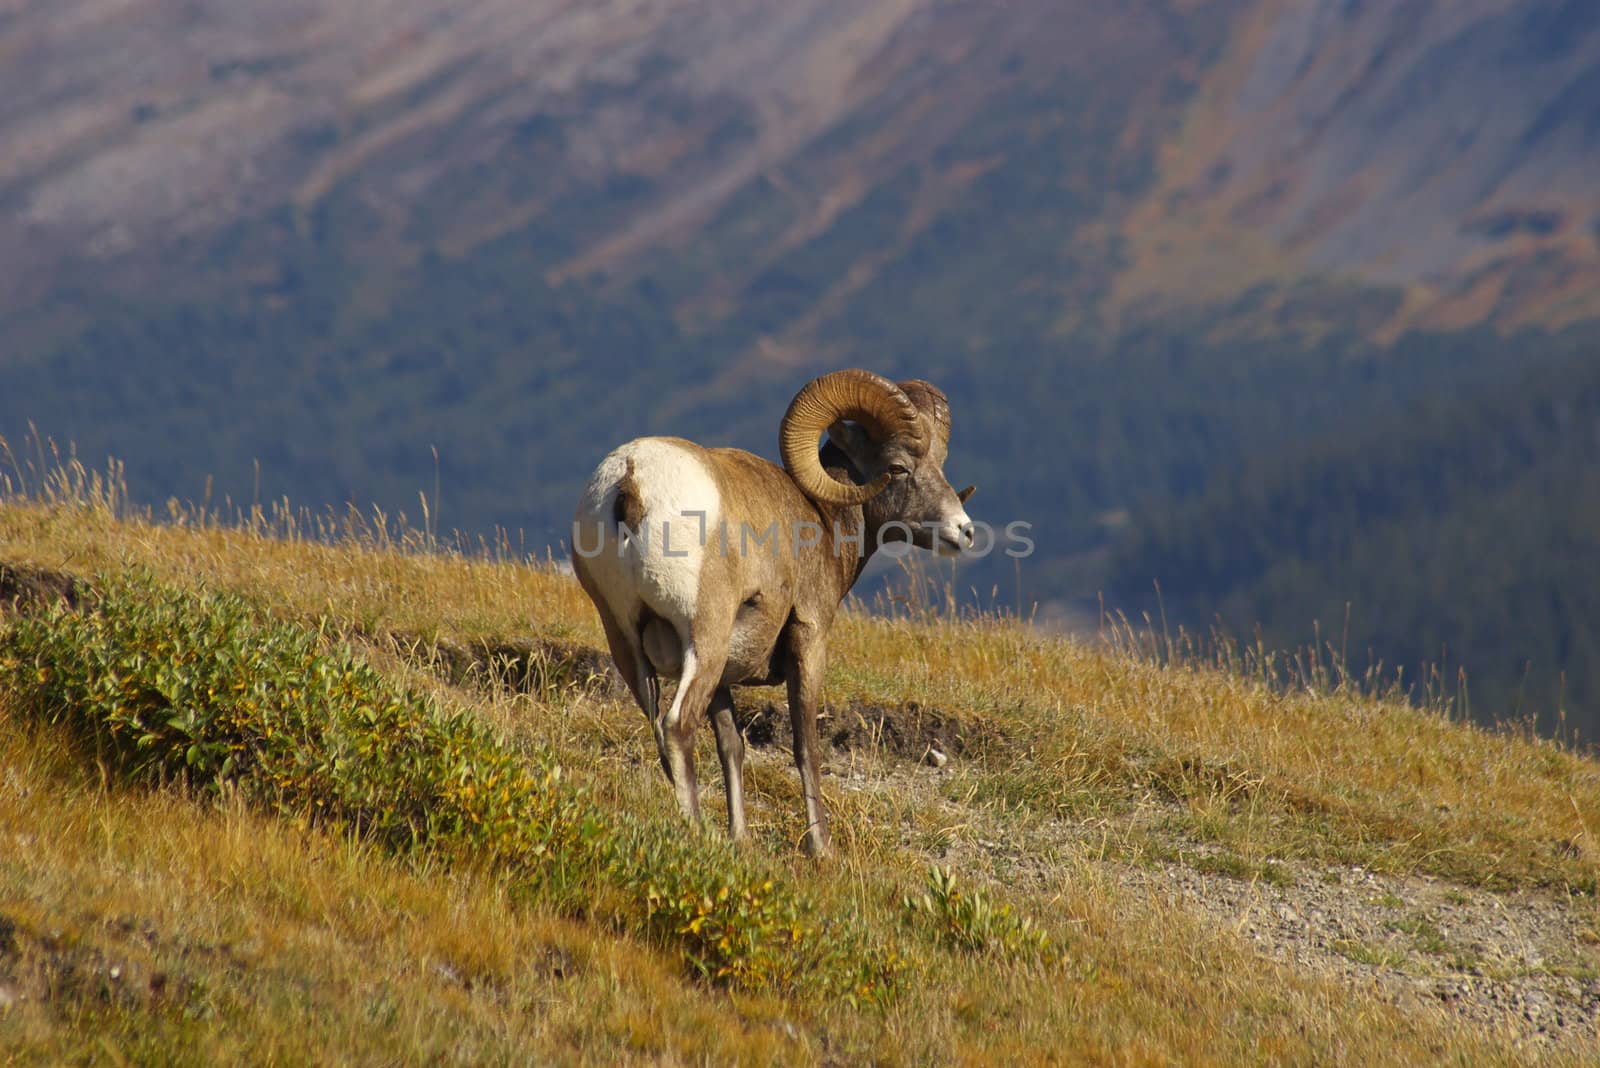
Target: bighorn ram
(719, 568)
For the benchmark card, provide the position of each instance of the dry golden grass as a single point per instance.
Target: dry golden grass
(293, 945)
(1338, 776)
(240, 939)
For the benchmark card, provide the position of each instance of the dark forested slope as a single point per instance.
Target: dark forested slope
(1461, 529)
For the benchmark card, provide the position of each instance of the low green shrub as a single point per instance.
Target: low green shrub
(732, 927)
(971, 921)
(177, 684)
(199, 686)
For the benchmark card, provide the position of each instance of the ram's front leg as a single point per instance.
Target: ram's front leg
(806, 663)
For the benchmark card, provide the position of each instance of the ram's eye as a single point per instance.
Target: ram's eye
(899, 470)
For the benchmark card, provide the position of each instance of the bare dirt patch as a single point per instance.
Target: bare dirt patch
(30, 589)
(65, 972)
(911, 731)
(525, 665)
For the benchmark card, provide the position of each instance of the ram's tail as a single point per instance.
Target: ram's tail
(628, 511)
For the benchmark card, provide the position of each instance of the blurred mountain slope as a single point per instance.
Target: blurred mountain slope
(133, 128)
(1448, 148)
(1141, 245)
(1444, 148)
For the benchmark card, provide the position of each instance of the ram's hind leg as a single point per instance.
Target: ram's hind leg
(701, 676)
(635, 668)
(730, 751)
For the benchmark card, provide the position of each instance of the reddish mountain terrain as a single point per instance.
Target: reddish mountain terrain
(1447, 148)
(1444, 148)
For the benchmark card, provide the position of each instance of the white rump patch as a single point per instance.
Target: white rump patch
(660, 567)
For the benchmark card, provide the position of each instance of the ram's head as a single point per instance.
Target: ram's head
(893, 440)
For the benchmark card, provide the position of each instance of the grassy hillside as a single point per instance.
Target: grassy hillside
(279, 796)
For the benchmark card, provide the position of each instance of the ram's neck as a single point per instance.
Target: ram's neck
(852, 545)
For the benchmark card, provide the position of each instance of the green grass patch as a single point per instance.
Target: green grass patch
(1425, 934)
(1366, 953)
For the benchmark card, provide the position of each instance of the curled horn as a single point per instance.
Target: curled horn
(931, 399)
(932, 402)
(879, 405)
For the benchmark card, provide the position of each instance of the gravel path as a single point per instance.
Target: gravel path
(1525, 962)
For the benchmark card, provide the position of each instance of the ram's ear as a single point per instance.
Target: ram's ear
(964, 494)
(855, 442)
